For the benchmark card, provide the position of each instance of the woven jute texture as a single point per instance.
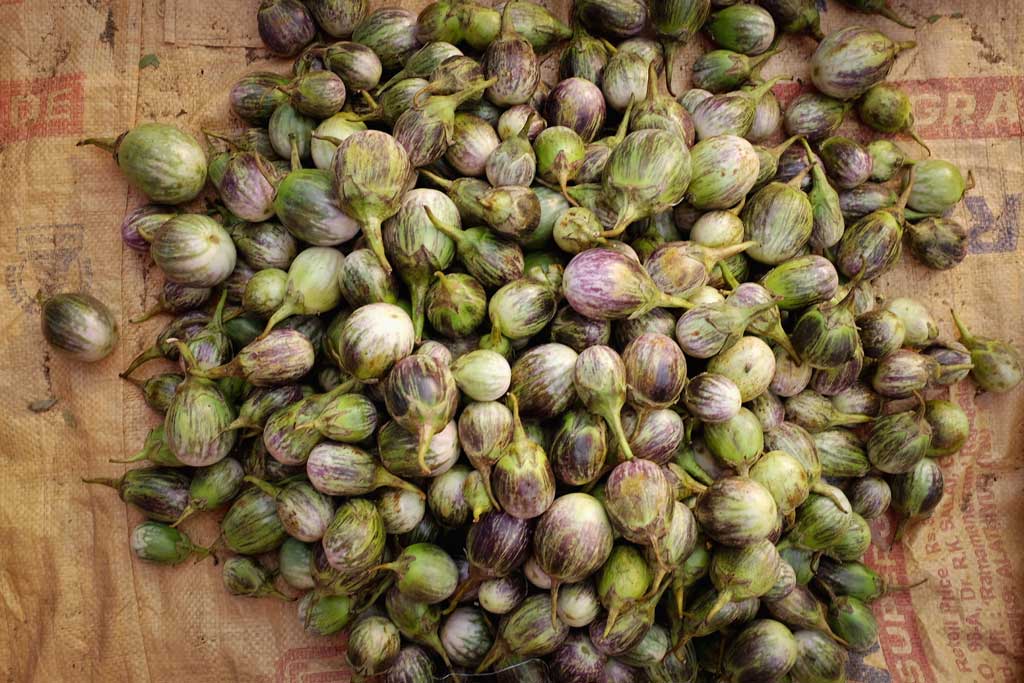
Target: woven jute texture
(74, 603)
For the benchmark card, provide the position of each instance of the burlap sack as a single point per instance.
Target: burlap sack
(75, 604)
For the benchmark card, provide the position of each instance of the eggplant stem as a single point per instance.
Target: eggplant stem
(274, 592)
(831, 634)
(782, 339)
(386, 567)
(327, 138)
(669, 301)
(231, 142)
(288, 308)
(383, 478)
(902, 527)
(241, 423)
(486, 476)
(425, 436)
(681, 644)
(152, 353)
(418, 294)
(469, 584)
(437, 647)
(905, 586)
(965, 336)
(372, 232)
(294, 158)
(679, 588)
(613, 616)
(106, 144)
(190, 509)
(614, 420)
(399, 75)
(498, 649)
(778, 149)
(267, 488)
(822, 489)
(202, 553)
(157, 309)
(138, 457)
(917, 138)
(191, 364)
(140, 383)
(104, 481)
(728, 276)
(671, 49)
(901, 205)
(724, 598)
(417, 102)
(563, 186)
(622, 222)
